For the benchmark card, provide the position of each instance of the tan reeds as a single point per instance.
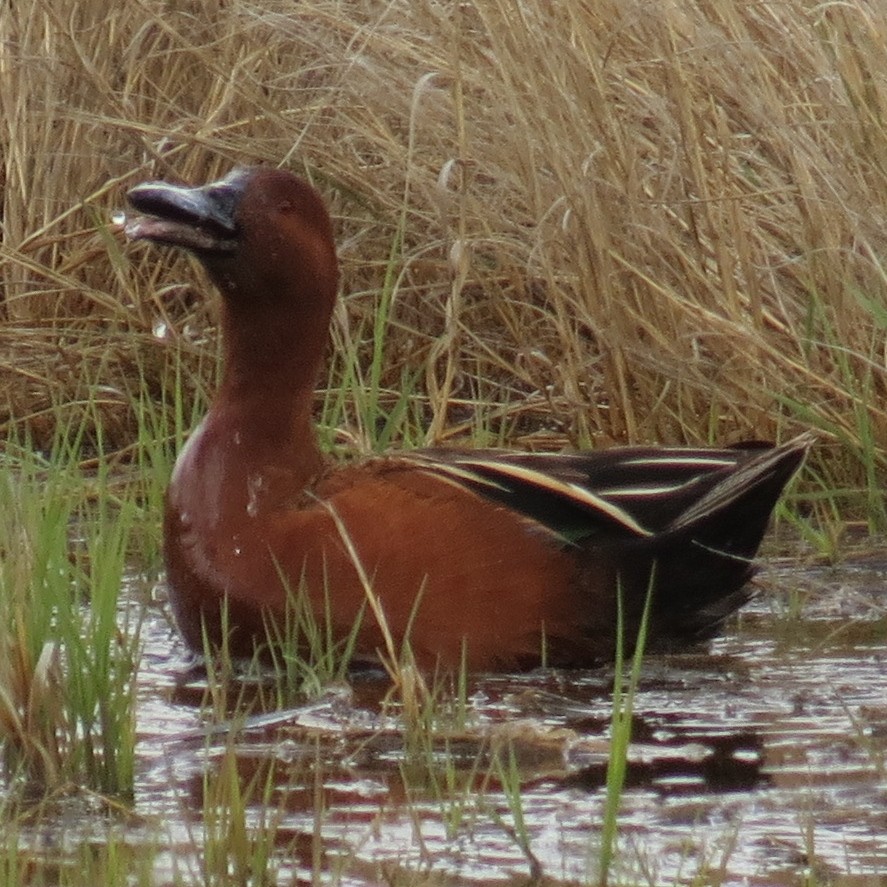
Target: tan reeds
(619, 221)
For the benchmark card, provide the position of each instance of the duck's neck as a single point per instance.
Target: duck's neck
(267, 389)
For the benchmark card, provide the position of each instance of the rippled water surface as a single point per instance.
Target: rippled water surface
(759, 762)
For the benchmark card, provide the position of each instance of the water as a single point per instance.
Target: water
(760, 762)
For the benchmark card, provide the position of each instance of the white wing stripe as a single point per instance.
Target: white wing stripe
(640, 492)
(701, 462)
(539, 479)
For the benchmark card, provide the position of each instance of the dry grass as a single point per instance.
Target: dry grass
(619, 221)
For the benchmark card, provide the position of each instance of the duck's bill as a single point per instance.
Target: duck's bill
(199, 219)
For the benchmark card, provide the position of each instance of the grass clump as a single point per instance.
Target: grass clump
(67, 654)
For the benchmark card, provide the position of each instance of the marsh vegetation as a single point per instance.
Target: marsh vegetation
(560, 225)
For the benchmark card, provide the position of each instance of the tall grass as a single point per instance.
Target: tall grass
(559, 224)
(589, 223)
(625, 687)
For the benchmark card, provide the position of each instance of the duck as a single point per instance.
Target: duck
(485, 560)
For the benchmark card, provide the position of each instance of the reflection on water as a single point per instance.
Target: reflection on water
(761, 762)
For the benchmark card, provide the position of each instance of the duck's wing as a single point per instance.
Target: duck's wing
(638, 491)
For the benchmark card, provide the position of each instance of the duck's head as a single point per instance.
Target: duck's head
(263, 234)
